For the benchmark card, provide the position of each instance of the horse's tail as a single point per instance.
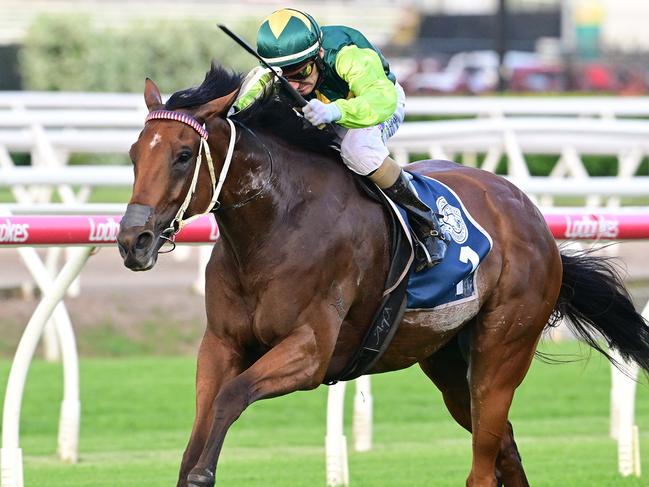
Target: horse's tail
(594, 299)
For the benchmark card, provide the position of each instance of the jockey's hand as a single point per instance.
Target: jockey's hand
(318, 113)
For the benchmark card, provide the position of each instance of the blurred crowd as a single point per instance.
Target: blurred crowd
(476, 72)
(589, 46)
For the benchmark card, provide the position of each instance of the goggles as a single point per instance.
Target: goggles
(301, 74)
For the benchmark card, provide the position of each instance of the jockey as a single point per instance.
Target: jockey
(346, 81)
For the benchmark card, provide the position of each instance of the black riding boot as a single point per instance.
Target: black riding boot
(431, 245)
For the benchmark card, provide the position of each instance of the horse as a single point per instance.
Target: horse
(300, 268)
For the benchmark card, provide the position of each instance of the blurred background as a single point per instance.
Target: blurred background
(435, 46)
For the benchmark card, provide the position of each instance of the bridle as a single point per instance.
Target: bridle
(179, 221)
(264, 186)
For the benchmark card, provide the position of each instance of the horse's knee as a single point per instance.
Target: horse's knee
(230, 402)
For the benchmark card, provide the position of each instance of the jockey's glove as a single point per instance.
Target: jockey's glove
(318, 113)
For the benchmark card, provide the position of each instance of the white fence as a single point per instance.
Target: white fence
(568, 140)
(441, 106)
(122, 176)
(51, 126)
(480, 142)
(496, 106)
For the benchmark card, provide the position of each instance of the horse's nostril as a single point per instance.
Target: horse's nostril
(144, 241)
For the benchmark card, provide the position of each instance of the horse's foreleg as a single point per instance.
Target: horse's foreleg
(216, 364)
(448, 370)
(503, 345)
(298, 362)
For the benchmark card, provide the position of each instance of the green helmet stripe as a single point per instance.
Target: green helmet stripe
(312, 50)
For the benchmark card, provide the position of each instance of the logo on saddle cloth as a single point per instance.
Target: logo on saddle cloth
(452, 222)
(453, 279)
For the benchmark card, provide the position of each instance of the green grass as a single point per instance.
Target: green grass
(99, 194)
(137, 414)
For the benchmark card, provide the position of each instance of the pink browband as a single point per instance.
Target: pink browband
(179, 117)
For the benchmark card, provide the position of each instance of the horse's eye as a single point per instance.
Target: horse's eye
(184, 157)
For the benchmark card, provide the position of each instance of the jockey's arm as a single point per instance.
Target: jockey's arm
(253, 86)
(374, 95)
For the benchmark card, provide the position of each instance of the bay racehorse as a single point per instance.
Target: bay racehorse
(293, 283)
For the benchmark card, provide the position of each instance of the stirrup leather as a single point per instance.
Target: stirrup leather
(430, 241)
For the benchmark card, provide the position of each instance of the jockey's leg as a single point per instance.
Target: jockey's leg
(424, 222)
(364, 152)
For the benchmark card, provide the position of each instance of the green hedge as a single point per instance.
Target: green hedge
(69, 53)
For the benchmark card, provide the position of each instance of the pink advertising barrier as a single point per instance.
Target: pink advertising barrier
(86, 230)
(102, 230)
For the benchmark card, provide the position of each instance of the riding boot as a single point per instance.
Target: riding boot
(431, 242)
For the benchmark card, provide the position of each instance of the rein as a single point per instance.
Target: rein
(264, 186)
(179, 221)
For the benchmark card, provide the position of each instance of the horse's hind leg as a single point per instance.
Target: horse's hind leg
(503, 342)
(448, 370)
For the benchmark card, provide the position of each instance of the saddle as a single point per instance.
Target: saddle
(451, 282)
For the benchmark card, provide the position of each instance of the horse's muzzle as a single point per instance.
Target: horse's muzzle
(138, 249)
(137, 242)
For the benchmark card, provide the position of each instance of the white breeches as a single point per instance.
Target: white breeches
(364, 150)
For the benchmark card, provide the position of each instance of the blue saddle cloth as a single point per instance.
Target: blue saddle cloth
(453, 279)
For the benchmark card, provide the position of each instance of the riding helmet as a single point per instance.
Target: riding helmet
(288, 37)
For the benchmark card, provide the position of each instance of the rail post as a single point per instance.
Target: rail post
(11, 453)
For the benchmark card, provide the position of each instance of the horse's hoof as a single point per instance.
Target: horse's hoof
(200, 478)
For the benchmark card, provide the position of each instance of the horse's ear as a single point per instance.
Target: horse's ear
(152, 95)
(216, 106)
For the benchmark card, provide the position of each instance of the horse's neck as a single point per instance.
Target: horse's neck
(260, 191)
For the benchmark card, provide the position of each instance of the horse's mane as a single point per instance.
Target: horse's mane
(272, 113)
(218, 82)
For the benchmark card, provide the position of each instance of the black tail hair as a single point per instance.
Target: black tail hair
(594, 299)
